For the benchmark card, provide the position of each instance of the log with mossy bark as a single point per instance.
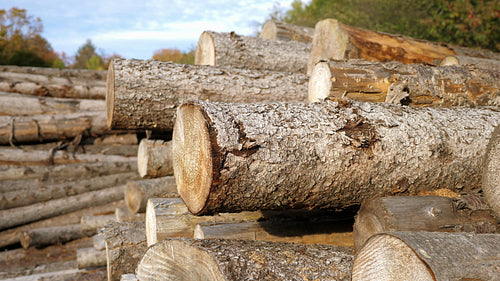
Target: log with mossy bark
(418, 213)
(333, 40)
(415, 84)
(145, 94)
(233, 50)
(283, 31)
(428, 256)
(491, 172)
(138, 192)
(154, 158)
(232, 157)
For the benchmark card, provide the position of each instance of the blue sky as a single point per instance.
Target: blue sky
(135, 29)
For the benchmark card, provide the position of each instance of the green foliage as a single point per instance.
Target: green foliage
(94, 63)
(470, 23)
(26, 58)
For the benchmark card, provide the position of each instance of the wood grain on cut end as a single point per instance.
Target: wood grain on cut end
(268, 31)
(154, 158)
(133, 198)
(192, 157)
(491, 172)
(329, 42)
(386, 257)
(110, 94)
(450, 60)
(365, 225)
(320, 83)
(205, 50)
(151, 225)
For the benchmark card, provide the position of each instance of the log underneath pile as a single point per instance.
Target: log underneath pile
(491, 172)
(154, 158)
(90, 257)
(138, 192)
(282, 31)
(50, 235)
(233, 157)
(215, 259)
(429, 256)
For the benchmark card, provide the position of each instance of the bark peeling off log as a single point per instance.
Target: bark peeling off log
(215, 259)
(234, 157)
(491, 172)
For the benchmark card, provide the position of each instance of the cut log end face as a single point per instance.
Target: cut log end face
(110, 94)
(142, 159)
(205, 50)
(386, 257)
(320, 83)
(192, 157)
(268, 31)
(450, 60)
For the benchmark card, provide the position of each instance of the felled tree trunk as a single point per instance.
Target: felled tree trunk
(415, 84)
(416, 213)
(164, 86)
(125, 246)
(215, 259)
(91, 224)
(233, 157)
(232, 50)
(491, 64)
(123, 214)
(138, 193)
(64, 83)
(428, 256)
(282, 31)
(154, 158)
(491, 172)
(333, 40)
(90, 257)
(50, 235)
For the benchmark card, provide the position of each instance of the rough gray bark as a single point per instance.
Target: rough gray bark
(491, 172)
(232, 50)
(50, 235)
(138, 192)
(33, 194)
(282, 31)
(429, 256)
(125, 246)
(415, 84)
(90, 257)
(215, 259)
(491, 64)
(52, 208)
(232, 157)
(154, 158)
(333, 40)
(417, 213)
(145, 94)
(64, 83)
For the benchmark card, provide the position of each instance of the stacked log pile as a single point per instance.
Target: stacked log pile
(272, 186)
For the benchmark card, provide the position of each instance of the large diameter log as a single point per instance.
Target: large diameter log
(278, 30)
(491, 64)
(215, 259)
(145, 94)
(154, 158)
(138, 192)
(125, 246)
(428, 256)
(394, 82)
(415, 213)
(232, 50)
(52, 208)
(333, 40)
(38, 128)
(233, 157)
(33, 194)
(491, 172)
(90, 257)
(81, 84)
(50, 235)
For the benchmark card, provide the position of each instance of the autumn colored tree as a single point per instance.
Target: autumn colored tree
(174, 55)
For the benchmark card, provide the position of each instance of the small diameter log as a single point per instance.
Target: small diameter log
(53, 83)
(415, 84)
(415, 213)
(90, 257)
(215, 259)
(428, 256)
(91, 224)
(36, 194)
(125, 246)
(282, 31)
(491, 64)
(128, 277)
(317, 232)
(154, 158)
(138, 192)
(50, 235)
(165, 85)
(38, 128)
(123, 214)
(491, 173)
(233, 157)
(232, 50)
(52, 208)
(333, 40)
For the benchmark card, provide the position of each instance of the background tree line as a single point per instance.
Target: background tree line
(469, 23)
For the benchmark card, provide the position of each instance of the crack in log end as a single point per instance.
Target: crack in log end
(363, 135)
